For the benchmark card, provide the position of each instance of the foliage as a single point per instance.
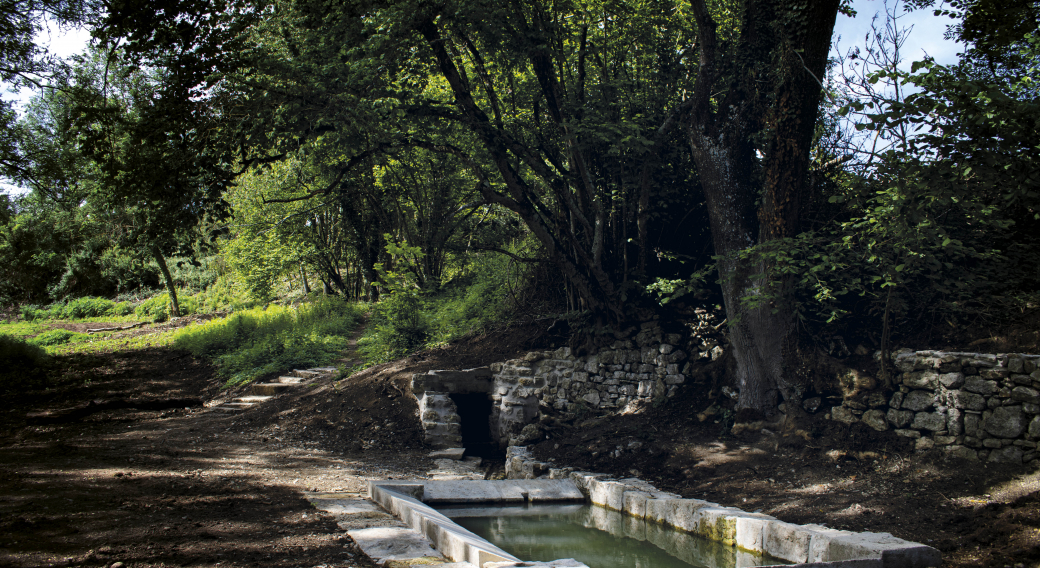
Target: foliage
(21, 363)
(159, 308)
(256, 342)
(57, 337)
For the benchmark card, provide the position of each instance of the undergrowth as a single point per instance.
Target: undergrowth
(256, 342)
(407, 320)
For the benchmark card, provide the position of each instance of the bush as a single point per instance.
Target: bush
(87, 307)
(21, 362)
(255, 342)
(158, 308)
(399, 326)
(56, 337)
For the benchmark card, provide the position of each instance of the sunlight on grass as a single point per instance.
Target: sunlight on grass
(252, 343)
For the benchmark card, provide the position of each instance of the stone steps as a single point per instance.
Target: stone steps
(261, 392)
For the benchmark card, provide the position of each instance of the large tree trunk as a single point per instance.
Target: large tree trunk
(756, 200)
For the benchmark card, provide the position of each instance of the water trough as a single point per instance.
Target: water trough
(804, 545)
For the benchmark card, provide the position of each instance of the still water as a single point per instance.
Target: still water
(598, 537)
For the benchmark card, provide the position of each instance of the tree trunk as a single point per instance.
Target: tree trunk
(170, 288)
(303, 275)
(754, 193)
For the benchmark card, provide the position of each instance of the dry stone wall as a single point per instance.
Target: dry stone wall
(972, 405)
(646, 367)
(623, 378)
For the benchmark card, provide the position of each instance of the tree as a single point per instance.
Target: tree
(750, 130)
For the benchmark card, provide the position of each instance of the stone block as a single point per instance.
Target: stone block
(922, 444)
(921, 379)
(1025, 394)
(592, 398)
(1031, 408)
(966, 400)
(875, 419)
(787, 541)
(1022, 379)
(897, 400)
(1005, 422)
(841, 546)
(954, 422)
(1034, 427)
(718, 524)
(994, 374)
(951, 380)
(981, 386)
(750, 533)
(960, 452)
(844, 415)
(900, 418)
(992, 443)
(912, 434)
(933, 421)
(918, 400)
(1007, 454)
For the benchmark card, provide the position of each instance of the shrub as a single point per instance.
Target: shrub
(158, 308)
(87, 307)
(251, 343)
(21, 363)
(399, 326)
(56, 337)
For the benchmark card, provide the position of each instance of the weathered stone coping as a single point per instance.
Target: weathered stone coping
(405, 499)
(805, 545)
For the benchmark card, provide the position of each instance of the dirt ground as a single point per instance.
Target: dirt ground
(150, 485)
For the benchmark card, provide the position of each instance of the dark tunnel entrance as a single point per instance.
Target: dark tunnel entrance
(475, 415)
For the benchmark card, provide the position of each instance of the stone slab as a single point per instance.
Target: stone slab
(448, 453)
(393, 543)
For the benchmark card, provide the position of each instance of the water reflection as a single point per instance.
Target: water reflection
(599, 537)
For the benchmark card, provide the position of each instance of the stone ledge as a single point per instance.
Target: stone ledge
(806, 545)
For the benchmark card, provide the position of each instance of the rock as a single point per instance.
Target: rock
(1031, 408)
(812, 404)
(876, 400)
(1034, 427)
(954, 422)
(592, 398)
(966, 400)
(992, 443)
(1026, 394)
(1005, 422)
(944, 440)
(951, 380)
(921, 380)
(530, 434)
(923, 444)
(1007, 454)
(1015, 364)
(929, 421)
(971, 425)
(448, 453)
(981, 386)
(842, 414)
(897, 400)
(912, 434)
(961, 452)
(900, 418)
(876, 420)
(918, 400)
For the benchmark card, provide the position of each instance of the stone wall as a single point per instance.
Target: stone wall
(621, 379)
(971, 405)
(645, 368)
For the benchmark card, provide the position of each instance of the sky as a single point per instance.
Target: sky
(926, 36)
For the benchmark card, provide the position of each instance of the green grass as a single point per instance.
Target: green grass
(256, 342)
